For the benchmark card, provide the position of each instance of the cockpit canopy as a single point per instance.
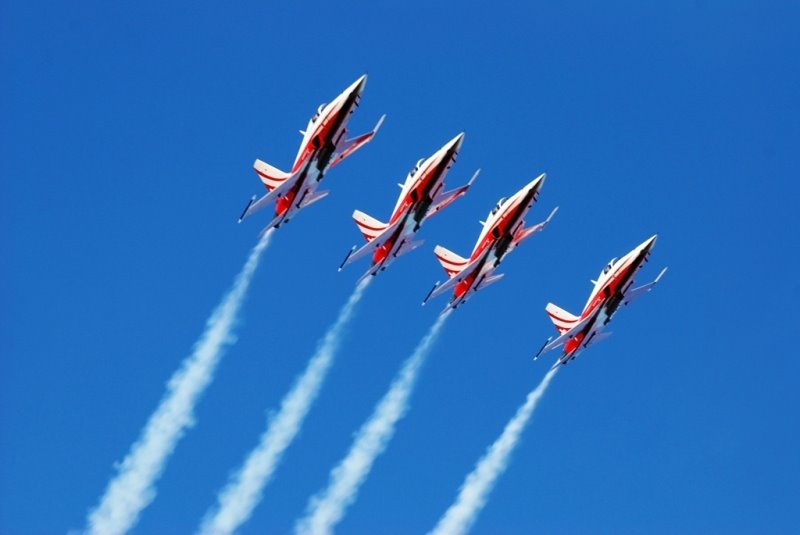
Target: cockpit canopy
(610, 265)
(416, 167)
(497, 207)
(319, 112)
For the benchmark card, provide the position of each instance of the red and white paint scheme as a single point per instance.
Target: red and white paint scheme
(502, 232)
(613, 287)
(324, 145)
(421, 196)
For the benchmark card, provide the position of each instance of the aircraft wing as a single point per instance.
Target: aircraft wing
(351, 145)
(444, 199)
(403, 249)
(439, 289)
(635, 293)
(527, 232)
(356, 254)
(552, 344)
(254, 206)
(282, 187)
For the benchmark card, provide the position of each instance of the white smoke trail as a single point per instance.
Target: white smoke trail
(235, 502)
(327, 508)
(133, 488)
(479, 483)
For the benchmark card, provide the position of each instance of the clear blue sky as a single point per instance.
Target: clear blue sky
(128, 134)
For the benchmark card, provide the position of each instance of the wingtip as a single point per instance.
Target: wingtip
(378, 125)
(549, 338)
(247, 208)
(430, 293)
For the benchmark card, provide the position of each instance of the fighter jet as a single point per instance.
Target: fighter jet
(503, 230)
(324, 145)
(421, 196)
(612, 289)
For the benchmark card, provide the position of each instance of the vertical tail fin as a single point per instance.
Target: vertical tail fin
(270, 176)
(368, 225)
(562, 319)
(451, 262)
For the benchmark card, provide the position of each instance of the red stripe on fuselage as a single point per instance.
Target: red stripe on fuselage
(610, 287)
(421, 184)
(323, 130)
(309, 148)
(501, 224)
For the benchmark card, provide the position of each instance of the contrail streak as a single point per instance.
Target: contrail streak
(327, 508)
(133, 488)
(235, 502)
(479, 483)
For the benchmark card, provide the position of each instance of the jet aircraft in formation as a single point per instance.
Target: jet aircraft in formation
(612, 289)
(325, 144)
(503, 230)
(421, 196)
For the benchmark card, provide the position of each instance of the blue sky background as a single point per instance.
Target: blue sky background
(128, 134)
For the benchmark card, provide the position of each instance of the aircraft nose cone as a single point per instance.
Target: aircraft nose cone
(648, 244)
(359, 84)
(538, 181)
(455, 143)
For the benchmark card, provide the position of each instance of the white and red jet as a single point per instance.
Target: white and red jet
(502, 232)
(324, 145)
(421, 196)
(614, 287)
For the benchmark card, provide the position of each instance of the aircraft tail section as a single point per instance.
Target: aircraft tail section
(272, 177)
(451, 262)
(562, 319)
(370, 227)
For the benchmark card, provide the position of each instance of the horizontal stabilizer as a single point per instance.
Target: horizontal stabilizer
(489, 280)
(408, 246)
(311, 199)
(599, 337)
(405, 247)
(275, 223)
(368, 225)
